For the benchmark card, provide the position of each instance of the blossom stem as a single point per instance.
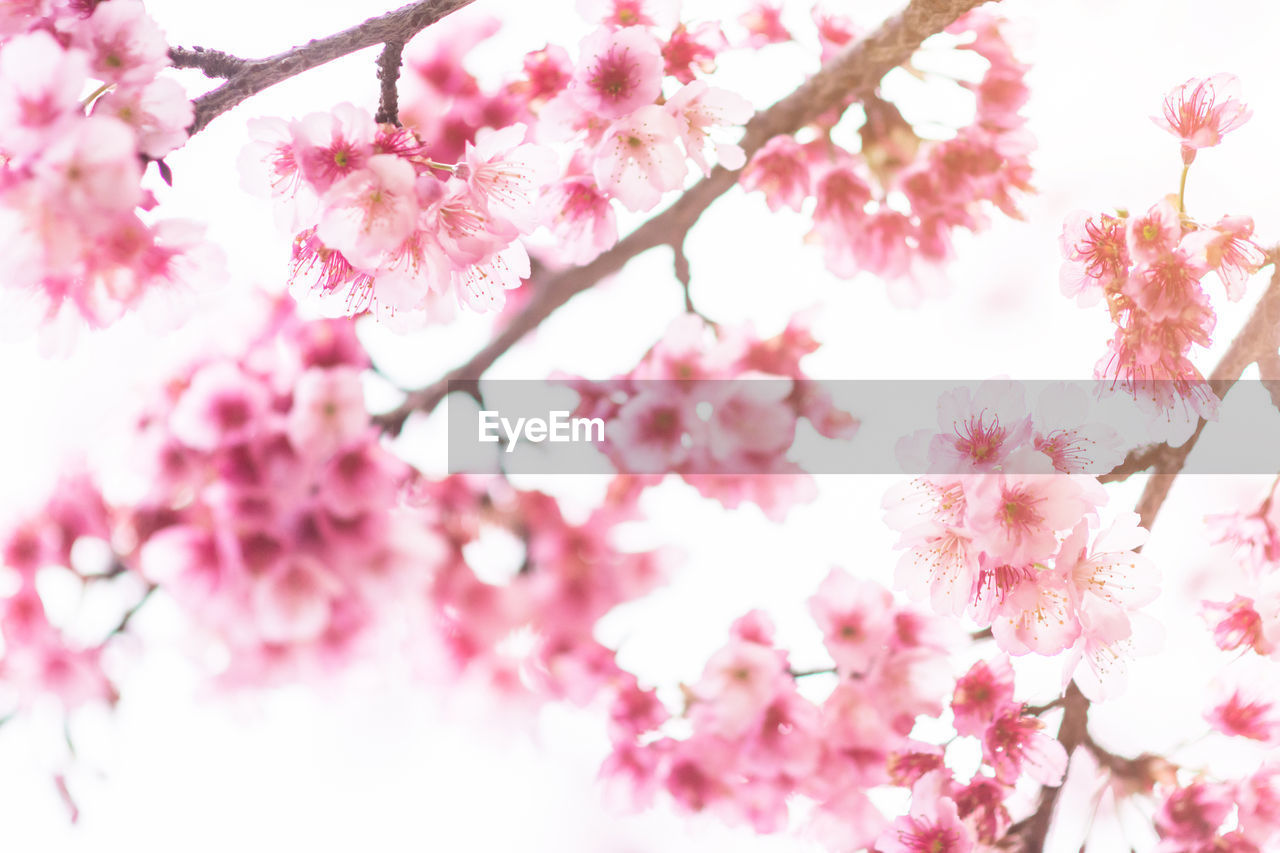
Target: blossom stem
(1182, 188)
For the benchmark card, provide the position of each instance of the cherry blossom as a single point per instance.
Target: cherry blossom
(1201, 111)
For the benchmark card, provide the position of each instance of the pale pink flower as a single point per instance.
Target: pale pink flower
(222, 406)
(1097, 256)
(581, 218)
(293, 603)
(638, 158)
(269, 168)
(1015, 516)
(737, 685)
(483, 286)
(328, 410)
(1155, 233)
(1109, 573)
(40, 89)
(749, 416)
(1060, 432)
(697, 108)
(370, 212)
(854, 616)
(933, 825)
(1229, 250)
(976, 431)
(648, 433)
(506, 174)
(159, 113)
(1201, 111)
(329, 146)
(618, 72)
(124, 45)
(464, 230)
(1033, 611)
(93, 170)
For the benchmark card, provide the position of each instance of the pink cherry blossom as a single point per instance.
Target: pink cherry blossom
(933, 825)
(40, 89)
(1201, 111)
(853, 616)
(618, 72)
(1015, 743)
(581, 218)
(371, 211)
(779, 170)
(638, 159)
(505, 173)
(124, 45)
(697, 108)
(1155, 233)
(981, 694)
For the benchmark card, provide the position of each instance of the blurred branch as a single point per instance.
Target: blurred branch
(388, 74)
(853, 74)
(254, 75)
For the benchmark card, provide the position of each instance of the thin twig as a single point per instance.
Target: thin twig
(259, 74)
(853, 74)
(388, 74)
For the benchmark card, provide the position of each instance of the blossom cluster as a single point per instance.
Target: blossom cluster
(891, 206)
(387, 229)
(392, 218)
(1005, 529)
(271, 505)
(750, 741)
(1149, 268)
(83, 110)
(720, 408)
(527, 631)
(41, 658)
(1206, 816)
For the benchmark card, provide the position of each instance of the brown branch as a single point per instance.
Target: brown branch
(1269, 368)
(1255, 340)
(214, 63)
(388, 74)
(1071, 733)
(259, 74)
(853, 74)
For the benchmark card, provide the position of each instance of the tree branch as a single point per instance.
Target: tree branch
(854, 73)
(259, 74)
(388, 74)
(1071, 733)
(1258, 337)
(214, 63)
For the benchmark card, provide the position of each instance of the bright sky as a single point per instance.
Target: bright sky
(384, 760)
